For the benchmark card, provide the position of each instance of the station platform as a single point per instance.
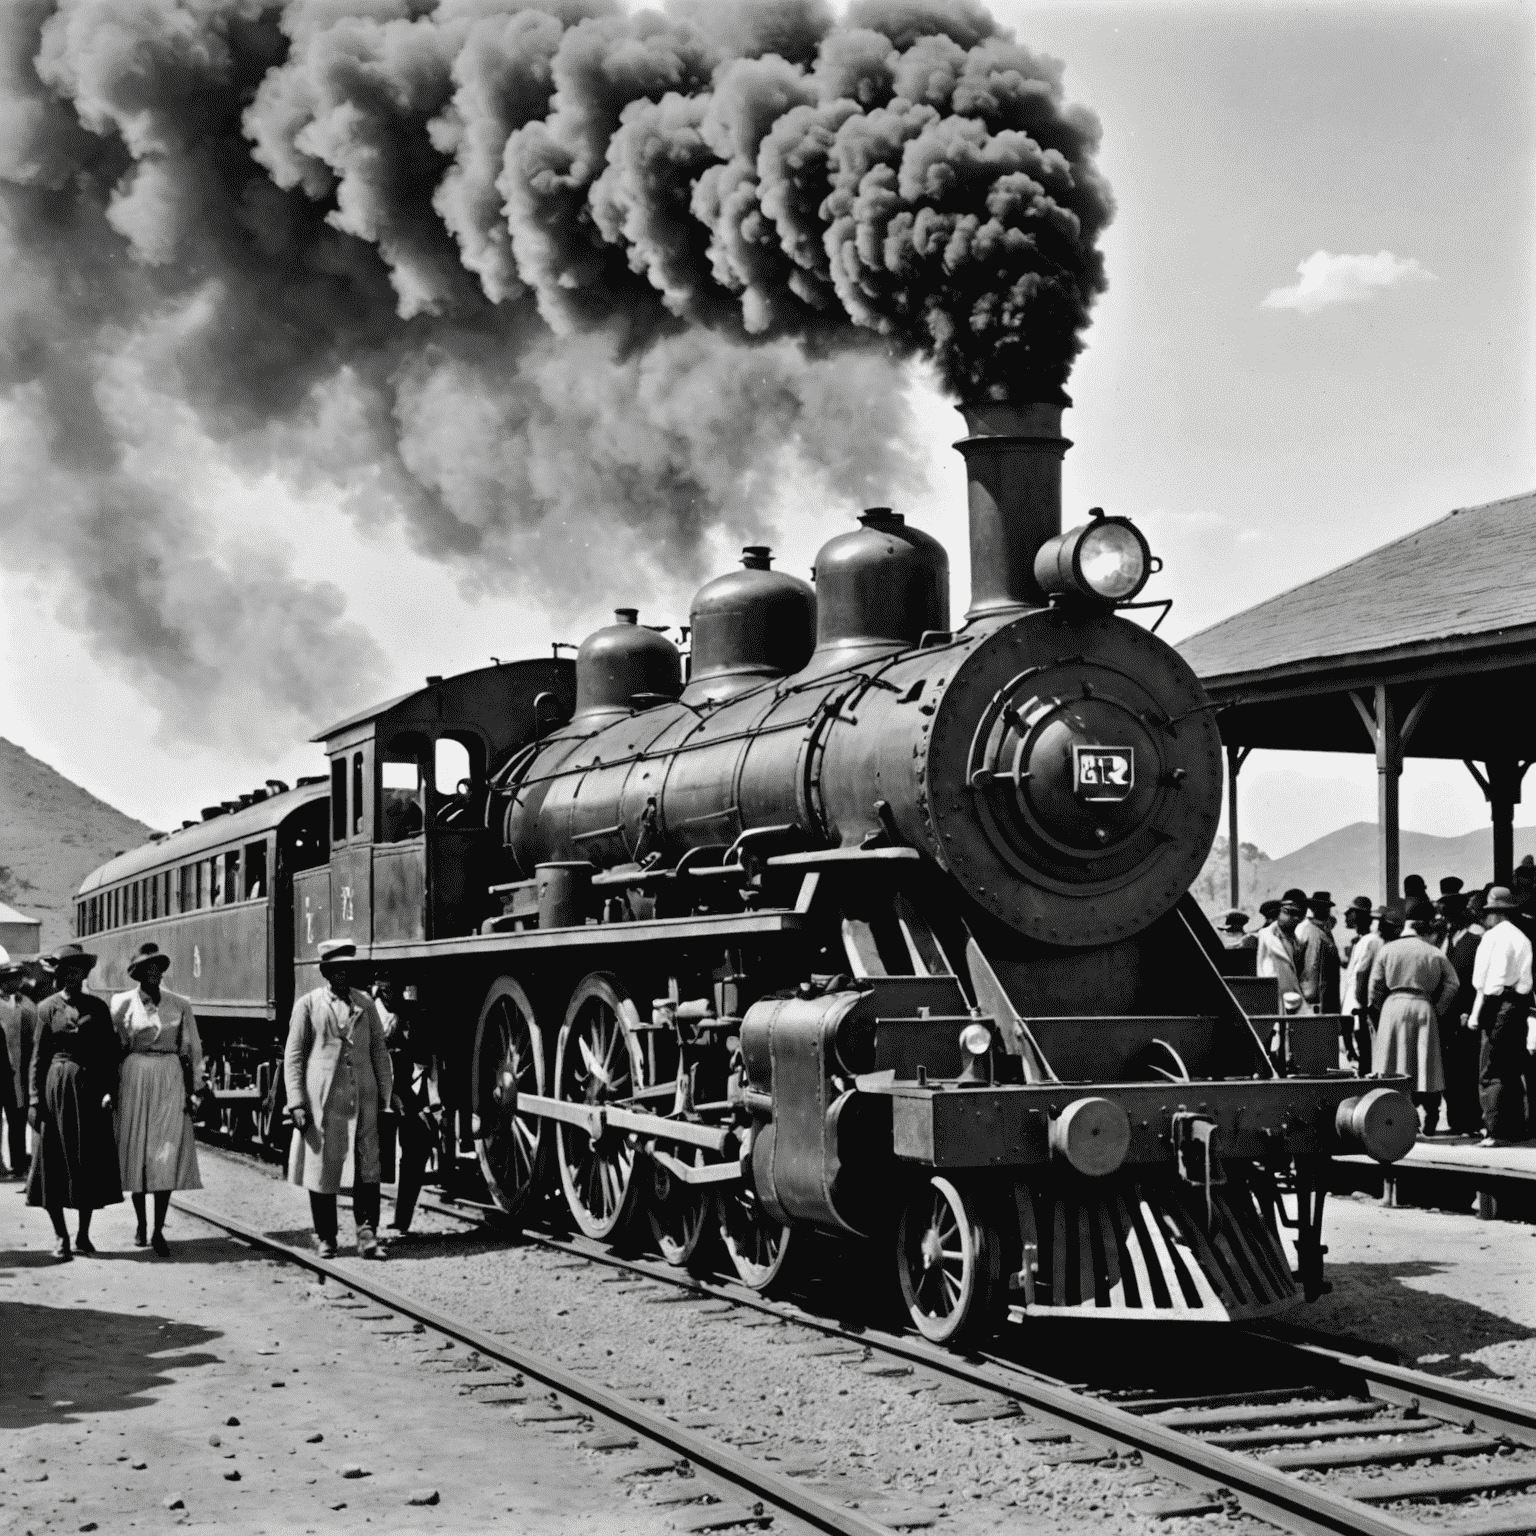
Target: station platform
(1452, 1173)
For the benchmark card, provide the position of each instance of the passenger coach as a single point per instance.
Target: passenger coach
(216, 896)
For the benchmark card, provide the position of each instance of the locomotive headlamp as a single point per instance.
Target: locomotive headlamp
(975, 1039)
(976, 1049)
(1106, 558)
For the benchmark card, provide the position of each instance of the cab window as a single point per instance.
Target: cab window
(338, 799)
(401, 788)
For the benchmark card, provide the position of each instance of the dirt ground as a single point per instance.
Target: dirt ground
(1452, 1294)
(221, 1389)
(121, 1373)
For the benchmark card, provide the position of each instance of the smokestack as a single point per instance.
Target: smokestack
(1013, 473)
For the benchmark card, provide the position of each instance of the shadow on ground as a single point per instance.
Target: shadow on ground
(1374, 1302)
(64, 1362)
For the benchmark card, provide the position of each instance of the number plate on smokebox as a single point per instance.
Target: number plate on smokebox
(1103, 773)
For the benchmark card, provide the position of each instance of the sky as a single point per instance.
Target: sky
(1319, 335)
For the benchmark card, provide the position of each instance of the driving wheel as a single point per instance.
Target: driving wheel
(509, 1062)
(758, 1245)
(679, 1215)
(598, 1063)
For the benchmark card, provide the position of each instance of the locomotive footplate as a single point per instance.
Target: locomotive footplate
(1014, 1125)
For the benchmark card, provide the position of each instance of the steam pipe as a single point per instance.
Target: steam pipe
(1013, 472)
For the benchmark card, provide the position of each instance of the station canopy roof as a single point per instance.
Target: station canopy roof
(1444, 617)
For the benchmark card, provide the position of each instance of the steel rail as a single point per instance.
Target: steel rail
(1258, 1489)
(1455, 1401)
(722, 1460)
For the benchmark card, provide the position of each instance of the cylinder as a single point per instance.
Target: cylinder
(565, 892)
(1013, 486)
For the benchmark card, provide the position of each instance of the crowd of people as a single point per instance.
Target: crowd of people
(110, 1092)
(1438, 991)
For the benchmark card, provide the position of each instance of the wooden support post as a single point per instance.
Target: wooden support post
(1500, 785)
(1389, 771)
(1504, 791)
(1236, 757)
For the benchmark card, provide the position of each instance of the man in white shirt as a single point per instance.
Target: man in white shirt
(1501, 975)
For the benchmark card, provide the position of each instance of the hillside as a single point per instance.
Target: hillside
(1344, 862)
(52, 834)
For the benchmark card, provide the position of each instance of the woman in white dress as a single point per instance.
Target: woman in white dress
(156, 1151)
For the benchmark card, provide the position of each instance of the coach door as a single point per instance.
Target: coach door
(399, 854)
(460, 849)
(352, 816)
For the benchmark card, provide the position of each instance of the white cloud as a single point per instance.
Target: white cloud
(1328, 279)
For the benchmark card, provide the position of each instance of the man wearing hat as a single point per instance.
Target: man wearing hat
(1460, 1044)
(337, 1072)
(71, 1089)
(1279, 953)
(1412, 988)
(1234, 931)
(18, 1024)
(1357, 923)
(1355, 990)
(162, 1071)
(1501, 975)
(1414, 888)
(1319, 954)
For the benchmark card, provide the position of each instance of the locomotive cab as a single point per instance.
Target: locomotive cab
(411, 856)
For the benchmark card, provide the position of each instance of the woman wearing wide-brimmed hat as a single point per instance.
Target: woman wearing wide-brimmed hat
(72, 1089)
(162, 1071)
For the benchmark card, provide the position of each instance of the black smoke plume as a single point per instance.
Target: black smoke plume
(550, 286)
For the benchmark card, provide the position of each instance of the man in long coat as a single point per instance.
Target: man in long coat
(337, 1072)
(1412, 988)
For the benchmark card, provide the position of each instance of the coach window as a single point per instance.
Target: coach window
(255, 870)
(152, 897)
(185, 887)
(309, 848)
(215, 883)
(232, 875)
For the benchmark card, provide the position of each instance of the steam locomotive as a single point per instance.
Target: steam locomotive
(872, 925)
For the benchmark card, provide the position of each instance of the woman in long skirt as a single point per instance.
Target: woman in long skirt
(1413, 987)
(73, 1086)
(156, 1151)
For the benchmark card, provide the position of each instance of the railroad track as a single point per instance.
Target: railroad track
(1315, 1439)
(711, 1503)
(1320, 1443)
